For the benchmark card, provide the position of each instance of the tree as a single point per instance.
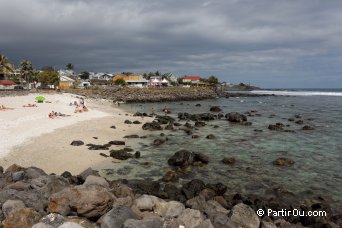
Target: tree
(6, 68)
(120, 81)
(48, 77)
(212, 80)
(157, 73)
(26, 70)
(84, 75)
(127, 73)
(69, 66)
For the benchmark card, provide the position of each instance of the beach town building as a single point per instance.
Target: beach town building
(133, 80)
(7, 84)
(100, 76)
(191, 79)
(66, 82)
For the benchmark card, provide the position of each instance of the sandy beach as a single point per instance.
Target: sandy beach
(31, 138)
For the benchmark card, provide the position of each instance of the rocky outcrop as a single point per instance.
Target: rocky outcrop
(185, 158)
(236, 117)
(283, 162)
(152, 126)
(86, 201)
(215, 109)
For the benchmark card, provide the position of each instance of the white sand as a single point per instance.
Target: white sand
(22, 124)
(30, 138)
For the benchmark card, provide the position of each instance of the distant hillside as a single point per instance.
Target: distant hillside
(243, 87)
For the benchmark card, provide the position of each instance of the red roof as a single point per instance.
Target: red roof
(7, 82)
(192, 78)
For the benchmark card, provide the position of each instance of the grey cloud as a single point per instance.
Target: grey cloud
(268, 43)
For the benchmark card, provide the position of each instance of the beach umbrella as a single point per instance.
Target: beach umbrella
(40, 98)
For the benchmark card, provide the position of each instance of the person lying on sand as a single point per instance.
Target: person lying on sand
(3, 108)
(30, 105)
(56, 114)
(85, 109)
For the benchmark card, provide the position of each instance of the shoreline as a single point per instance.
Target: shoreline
(50, 148)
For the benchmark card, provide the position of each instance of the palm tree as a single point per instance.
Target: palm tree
(70, 66)
(26, 70)
(6, 68)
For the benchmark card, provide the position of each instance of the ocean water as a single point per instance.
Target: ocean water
(317, 154)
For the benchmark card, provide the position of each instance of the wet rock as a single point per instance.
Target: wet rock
(137, 154)
(177, 124)
(200, 124)
(215, 109)
(299, 122)
(185, 158)
(11, 205)
(152, 126)
(128, 122)
(104, 155)
(158, 142)
(193, 188)
(136, 122)
(298, 116)
(211, 136)
(218, 188)
(22, 217)
(170, 176)
(194, 136)
(244, 216)
(120, 154)
(188, 125)
(199, 157)
(98, 147)
(307, 128)
(77, 143)
(236, 117)
(283, 162)
(113, 127)
(181, 158)
(118, 143)
(169, 127)
(86, 201)
(131, 136)
(229, 160)
(290, 119)
(140, 114)
(275, 127)
(198, 105)
(117, 216)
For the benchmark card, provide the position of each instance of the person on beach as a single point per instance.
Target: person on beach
(85, 109)
(3, 108)
(30, 106)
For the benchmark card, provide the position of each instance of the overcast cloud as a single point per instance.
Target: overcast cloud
(269, 43)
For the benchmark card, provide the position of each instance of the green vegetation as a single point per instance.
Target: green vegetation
(120, 81)
(213, 80)
(70, 66)
(84, 75)
(48, 77)
(6, 68)
(26, 71)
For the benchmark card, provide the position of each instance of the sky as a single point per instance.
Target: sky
(268, 43)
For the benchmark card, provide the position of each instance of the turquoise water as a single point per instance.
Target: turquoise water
(317, 154)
